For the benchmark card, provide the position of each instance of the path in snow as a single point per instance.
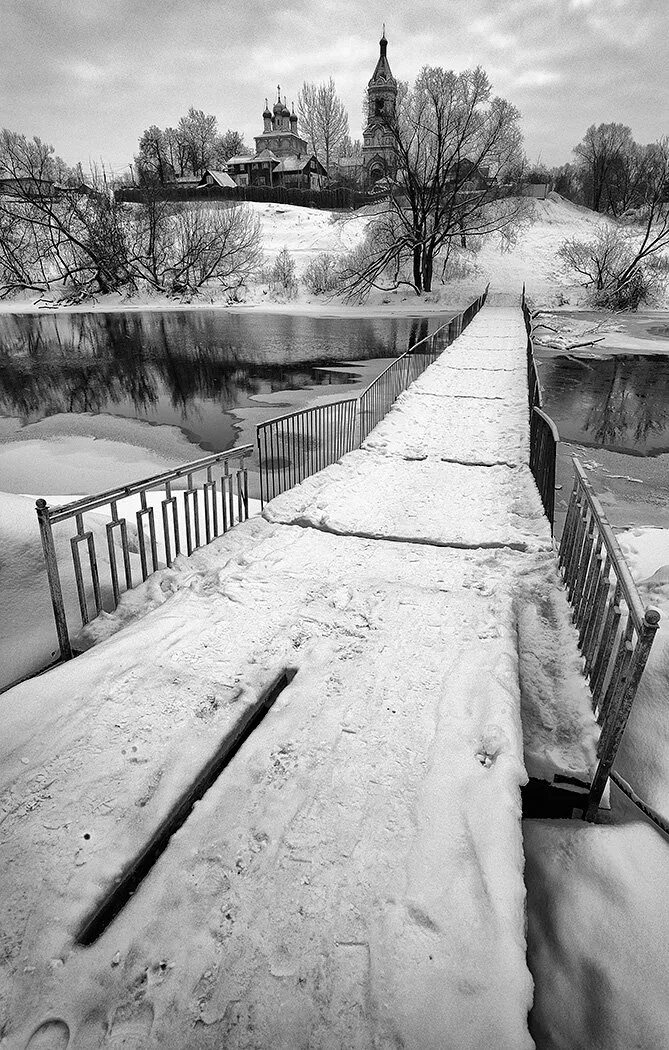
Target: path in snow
(355, 876)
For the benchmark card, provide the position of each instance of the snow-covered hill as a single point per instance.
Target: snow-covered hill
(532, 259)
(307, 232)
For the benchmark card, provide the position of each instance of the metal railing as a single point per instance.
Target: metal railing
(615, 630)
(535, 393)
(376, 400)
(292, 447)
(544, 436)
(213, 498)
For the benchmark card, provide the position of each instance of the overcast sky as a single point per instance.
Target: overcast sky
(89, 76)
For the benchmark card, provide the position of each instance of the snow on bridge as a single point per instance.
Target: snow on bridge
(354, 877)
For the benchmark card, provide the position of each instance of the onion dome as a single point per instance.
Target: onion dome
(267, 111)
(278, 105)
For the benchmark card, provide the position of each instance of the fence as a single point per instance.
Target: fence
(290, 448)
(336, 198)
(615, 631)
(206, 510)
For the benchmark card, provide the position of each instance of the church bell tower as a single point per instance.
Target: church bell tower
(378, 154)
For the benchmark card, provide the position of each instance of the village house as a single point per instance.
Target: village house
(216, 178)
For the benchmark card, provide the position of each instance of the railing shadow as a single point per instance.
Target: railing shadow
(292, 447)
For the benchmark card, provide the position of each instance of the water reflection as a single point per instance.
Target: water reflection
(620, 403)
(164, 367)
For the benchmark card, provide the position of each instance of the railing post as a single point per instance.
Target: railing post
(53, 575)
(613, 732)
(262, 501)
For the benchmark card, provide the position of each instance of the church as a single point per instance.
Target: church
(282, 156)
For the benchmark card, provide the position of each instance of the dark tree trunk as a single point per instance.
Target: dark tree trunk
(428, 263)
(417, 274)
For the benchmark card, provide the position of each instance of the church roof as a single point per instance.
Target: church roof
(242, 159)
(382, 74)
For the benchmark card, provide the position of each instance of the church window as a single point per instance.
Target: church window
(379, 106)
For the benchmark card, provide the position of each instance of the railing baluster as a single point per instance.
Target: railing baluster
(616, 726)
(623, 654)
(121, 525)
(206, 496)
(583, 568)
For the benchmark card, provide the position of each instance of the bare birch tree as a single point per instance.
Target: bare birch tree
(323, 120)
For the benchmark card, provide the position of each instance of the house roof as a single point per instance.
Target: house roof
(292, 163)
(265, 154)
(221, 178)
(350, 162)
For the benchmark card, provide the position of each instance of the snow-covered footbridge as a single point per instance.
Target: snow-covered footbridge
(353, 877)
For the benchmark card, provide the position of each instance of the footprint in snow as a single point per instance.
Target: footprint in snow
(493, 741)
(52, 1034)
(130, 1027)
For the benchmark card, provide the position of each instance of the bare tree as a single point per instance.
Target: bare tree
(306, 110)
(154, 161)
(624, 187)
(77, 236)
(323, 119)
(221, 245)
(614, 264)
(189, 149)
(176, 147)
(231, 144)
(77, 227)
(199, 132)
(597, 155)
(454, 145)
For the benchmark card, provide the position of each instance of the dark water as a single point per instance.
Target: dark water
(620, 403)
(192, 369)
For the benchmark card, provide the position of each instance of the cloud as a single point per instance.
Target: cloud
(89, 76)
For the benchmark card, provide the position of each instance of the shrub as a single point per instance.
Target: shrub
(322, 274)
(283, 277)
(611, 270)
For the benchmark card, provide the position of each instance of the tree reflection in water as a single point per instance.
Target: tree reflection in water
(135, 363)
(619, 402)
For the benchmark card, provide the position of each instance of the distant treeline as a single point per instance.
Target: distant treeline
(328, 200)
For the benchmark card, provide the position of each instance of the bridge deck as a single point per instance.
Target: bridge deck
(354, 877)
